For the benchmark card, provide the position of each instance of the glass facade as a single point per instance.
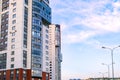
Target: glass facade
(3, 60)
(41, 15)
(4, 31)
(5, 5)
(25, 27)
(26, 2)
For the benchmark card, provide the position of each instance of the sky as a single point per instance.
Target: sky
(86, 26)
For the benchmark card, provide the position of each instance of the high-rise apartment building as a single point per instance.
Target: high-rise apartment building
(55, 52)
(24, 39)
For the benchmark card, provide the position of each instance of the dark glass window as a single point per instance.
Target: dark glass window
(12, 65)
(3, 59)
(24, 58)
(5, 5)
(25, 26)
(26, 2)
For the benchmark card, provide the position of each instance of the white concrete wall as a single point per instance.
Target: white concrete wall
(29, 34)
(54, 58)
(52, 49)
(18, 62)
(45, 67)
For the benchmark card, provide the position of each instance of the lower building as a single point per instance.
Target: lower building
(55, 52)
(105, 78)
(74, 79)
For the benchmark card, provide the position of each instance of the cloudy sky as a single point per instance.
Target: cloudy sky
(86, 26)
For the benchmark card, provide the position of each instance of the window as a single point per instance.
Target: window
(47, 53)
(46, 41)
(6, 19)
(6, 30)
(47, 64)
(6, 36)
(12, 59)
(14, 10)
(13, 40)
(5, 5)
(17, 71)
(3, 20)
(12, 72)
(14, 16)
(13, 46)
(25, 26)
(13, 34)
(47, 36)
(3, 58)
(13, 28)
(24, 72)
(5, 42)
(13, 52)
(47, 69)
(12, 66)
(26, 2)
(4, 73)
(46, 47)
(46, 31)
(24, 58)
(47, 58)
(14, 4)
(6, 25)
(14, 21)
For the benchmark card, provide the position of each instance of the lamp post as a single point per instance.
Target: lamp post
(111, 49)
(108, 66)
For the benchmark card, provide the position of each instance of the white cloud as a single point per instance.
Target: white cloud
(78, 37)
(100, 16)
(103, 23)
(94, 18)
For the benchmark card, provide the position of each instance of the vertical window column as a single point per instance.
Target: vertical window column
(24, 58)
(5, 5)
(3, 60)
(25, 27)
(4, 31)
(13, 31)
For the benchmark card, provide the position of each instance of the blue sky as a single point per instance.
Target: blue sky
(86, 26)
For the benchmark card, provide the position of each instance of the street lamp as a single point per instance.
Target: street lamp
(108, 66)
(111, 49)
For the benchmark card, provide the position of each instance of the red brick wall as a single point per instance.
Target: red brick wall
(28, 75)
(20, 74)
(8, 75)
(14, 77)
(44, 74)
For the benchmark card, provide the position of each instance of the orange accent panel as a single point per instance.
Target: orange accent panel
(20, 74)
(44, 75)
(29, 74)
(8, 75)
(14, 77)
